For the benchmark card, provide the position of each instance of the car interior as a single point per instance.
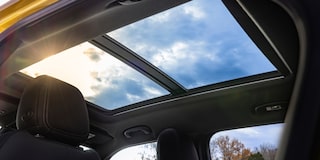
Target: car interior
(46, 117)
(39, 128)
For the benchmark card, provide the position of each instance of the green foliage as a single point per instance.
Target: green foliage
(256, 156)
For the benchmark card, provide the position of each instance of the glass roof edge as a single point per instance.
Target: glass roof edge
(257, 35)
(245, 81)
(277, 52)
(239, 81)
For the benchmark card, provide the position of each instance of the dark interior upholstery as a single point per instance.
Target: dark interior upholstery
(22, 145)
(173, 145)
(52, 120)
(53, 109)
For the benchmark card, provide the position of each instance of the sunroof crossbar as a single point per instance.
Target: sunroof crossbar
(138, 63)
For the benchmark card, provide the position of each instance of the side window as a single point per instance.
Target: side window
(251, 143)
(140, 152)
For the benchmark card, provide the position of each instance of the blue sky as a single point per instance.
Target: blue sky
(252, 137)
(197, 44)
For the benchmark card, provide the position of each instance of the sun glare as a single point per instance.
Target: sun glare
(61, 66)
(102, 79)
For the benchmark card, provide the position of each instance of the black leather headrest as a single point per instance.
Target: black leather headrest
(175, 146)
(53, 109)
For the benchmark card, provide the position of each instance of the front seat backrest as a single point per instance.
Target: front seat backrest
(173, 145)
(52, 120)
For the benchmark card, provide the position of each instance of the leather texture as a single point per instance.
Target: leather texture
(23, 145)
(55, 110)
(173, 145)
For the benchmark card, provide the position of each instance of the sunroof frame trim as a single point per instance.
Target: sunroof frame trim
(227, 85)
(256, 34)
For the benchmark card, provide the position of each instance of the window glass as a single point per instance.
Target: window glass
(259, 143)
(102, 79)
(140, 152)
(198, 43)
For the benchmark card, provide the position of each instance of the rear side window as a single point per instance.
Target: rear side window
(140, 152)
(251, 143)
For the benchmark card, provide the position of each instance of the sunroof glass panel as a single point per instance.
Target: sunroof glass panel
(102, 79)
(198, 43)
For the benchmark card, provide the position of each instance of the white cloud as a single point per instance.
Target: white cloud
(194, 11)
(182, 56)
(185, 47)
(153, 92)
(254, 136)
(169, 58)
(131, 153)
(133, 98)
(161, 17)
(248, 131)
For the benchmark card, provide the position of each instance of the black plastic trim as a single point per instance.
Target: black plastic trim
(135, 61)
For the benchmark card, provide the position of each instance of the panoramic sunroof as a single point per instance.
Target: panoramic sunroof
(198, 43)
(102, 79)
